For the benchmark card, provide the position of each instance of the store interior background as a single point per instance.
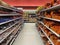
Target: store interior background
(28, 6)
(40, 18)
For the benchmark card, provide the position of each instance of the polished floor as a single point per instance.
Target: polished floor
(29, 36)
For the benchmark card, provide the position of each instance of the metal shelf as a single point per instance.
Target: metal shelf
(47, 36)
(50, 19)
(12, 37)
(10, 14)
(9, 39)
(18, 29)
(12, 41)
(49, 29)
(8, 28)
(7, 34)
(52, 8)
(8, 21)
(10, 9)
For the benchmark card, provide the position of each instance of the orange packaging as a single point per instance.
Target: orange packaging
(44, 28)
(53, 28)
(56, 28)
(55, 2)
(47, 15)
(49, 23)
(47, 5)
(44, 21)
(57, 42)
(56, 15)
(41, 25)
(47, 43)
(52, 12)
(53, 38)
(45, 31)
(49, 33)
(45, 39)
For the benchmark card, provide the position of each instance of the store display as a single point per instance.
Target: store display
(54, 2)
(11, 21)
(47, 15)
(50, 23)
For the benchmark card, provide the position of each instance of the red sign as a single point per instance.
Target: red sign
(26, 2)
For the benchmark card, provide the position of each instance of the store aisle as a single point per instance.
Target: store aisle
(28, 36)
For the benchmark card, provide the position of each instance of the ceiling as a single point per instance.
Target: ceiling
(26, 2)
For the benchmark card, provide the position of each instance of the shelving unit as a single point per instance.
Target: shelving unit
(50, 29)
(32, 18)
(48, 22)
(10, 14)
(10, 9)
(47, 36)
(11, 22)
(50, 19)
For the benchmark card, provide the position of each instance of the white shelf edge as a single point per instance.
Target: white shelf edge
(8, 27)
(51, 8)
(9, 14)
(12, 41)
(12, 36)
(50, 29)
(47, 36)
(7, 35)
(18, 28)
(10, 8)
(9, 40)
(51, 19)
(8, 21)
